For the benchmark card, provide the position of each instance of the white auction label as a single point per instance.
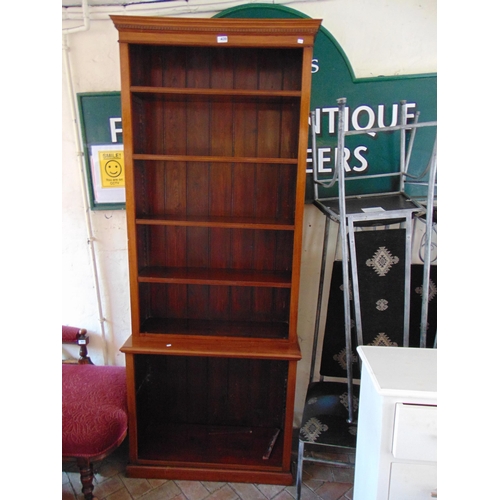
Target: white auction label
(368, 210)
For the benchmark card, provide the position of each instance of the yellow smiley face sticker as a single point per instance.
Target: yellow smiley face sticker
(113, 168)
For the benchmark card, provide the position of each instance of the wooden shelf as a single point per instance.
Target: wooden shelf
(229, 277)
(222, 93)
(221, 222)
(180, 344)
(214, 159)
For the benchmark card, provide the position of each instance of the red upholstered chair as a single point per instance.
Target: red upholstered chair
(94, 415)
(78, 336)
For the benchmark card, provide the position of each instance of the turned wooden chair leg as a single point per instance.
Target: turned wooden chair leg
(86, 477)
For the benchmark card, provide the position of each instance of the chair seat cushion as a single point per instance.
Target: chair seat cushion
(324, 420)
(94, 409)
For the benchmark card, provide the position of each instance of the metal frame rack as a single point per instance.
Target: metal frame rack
(325, 420)
(383, 208)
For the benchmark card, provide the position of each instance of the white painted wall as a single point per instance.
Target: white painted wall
(380, 37)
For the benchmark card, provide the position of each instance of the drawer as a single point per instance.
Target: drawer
(412, 481)
(415, 432)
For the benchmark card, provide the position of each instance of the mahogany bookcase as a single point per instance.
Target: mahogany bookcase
(215, 124)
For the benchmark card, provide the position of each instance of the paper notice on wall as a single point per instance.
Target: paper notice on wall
(108, 173)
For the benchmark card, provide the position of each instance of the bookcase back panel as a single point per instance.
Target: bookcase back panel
(217, 410)
(211, 391)
(161, 303)
(216, 67)
(169, 188)
(215, 248)
(225, 125)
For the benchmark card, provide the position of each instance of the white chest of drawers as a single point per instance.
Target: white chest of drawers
(396, 450)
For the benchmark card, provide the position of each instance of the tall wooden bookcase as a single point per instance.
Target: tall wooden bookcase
(215, 121)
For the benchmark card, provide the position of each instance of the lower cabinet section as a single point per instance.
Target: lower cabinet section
(214, 418)
(412, 481)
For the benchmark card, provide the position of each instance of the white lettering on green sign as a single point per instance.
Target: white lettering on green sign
(113, 127)
(361, 118)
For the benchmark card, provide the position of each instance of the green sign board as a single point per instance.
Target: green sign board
(101, 124)
(371, 102)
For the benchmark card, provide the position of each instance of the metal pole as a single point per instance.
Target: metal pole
(428, 246)
(320, 298)
(406, 315)
(355, 283)
(402, 145)
(345, 256)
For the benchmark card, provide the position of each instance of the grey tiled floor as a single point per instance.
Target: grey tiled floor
(320, 482)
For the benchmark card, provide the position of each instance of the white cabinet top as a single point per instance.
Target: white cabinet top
(401, 371)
